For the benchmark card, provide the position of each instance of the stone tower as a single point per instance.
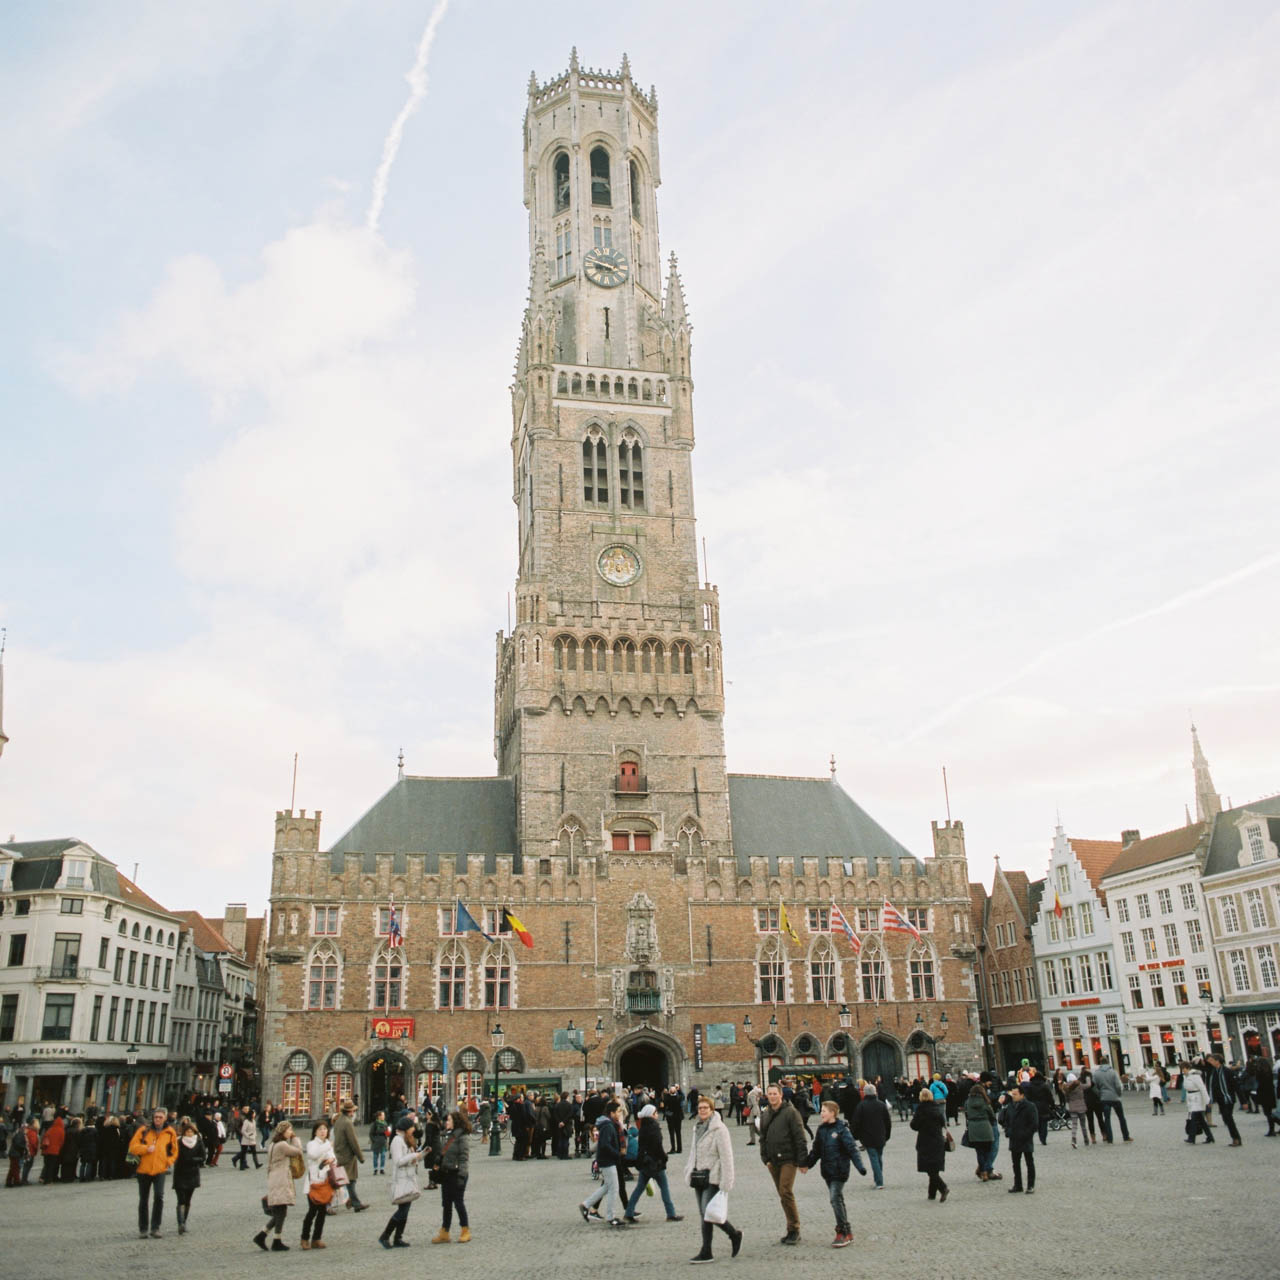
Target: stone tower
(608, 693)
(1208, 802)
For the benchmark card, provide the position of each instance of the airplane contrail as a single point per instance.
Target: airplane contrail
(1189, 596)
(417, 79)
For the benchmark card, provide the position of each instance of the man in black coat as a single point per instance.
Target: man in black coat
(1037, 1092)
(561, 1127)
(1220, 1080)
(673, 1109)
(871, 1125)
(1021, 1121)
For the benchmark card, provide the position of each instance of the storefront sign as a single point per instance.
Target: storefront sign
(224, 1086)
(392, 1028)
(1071, 1004)
(697, 1046)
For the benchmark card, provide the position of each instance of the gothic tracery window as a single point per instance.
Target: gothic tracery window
(771, 971)
(630, 472)
(822, 971)
(634, 174)
(452, 976)
(560, 179)
(497, 964)
(921, 972)
(566, 654)
(322, 978)
(595, 470)
(873, 971)
(388, 979)
(601, 187)
(624, 656)
(593, 654)
(652, 657)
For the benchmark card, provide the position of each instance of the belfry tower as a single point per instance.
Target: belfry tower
(609, 698)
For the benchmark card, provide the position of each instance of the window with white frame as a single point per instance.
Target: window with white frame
(1164, 900)
(1188, 891)
(1195, 936)
(1006, 987)
(1178, 981)
(1086, 919)
(296, 1089)
(1030, 975)
(1122, 910)
(1064, 878)
(1050, 978)
(451, 976)
(874, 972)
(819, 919)
(497, 977)
(1086, 973)
(1113, 1024)
(1073, 1027)
(995, 989)
(1172, 945)
(766, 919)
(1068, 976)
(1149, 944)
(1266, 958)
(1144, 906)
(921, 973)
(1256, 912)
(1091, 1024)
(325, 920)
(388, 980)
(1018, 997)
(918, 916)
(1055, 932)
(1238, 965)
(1257, 846)
(771, 971)
(1230, 917)
(1055, 1028)
(1069, 922)
(822, 972)
(868, 919)
(1203, 984)
(1126, 945)
(1135, 990)
(322, 978)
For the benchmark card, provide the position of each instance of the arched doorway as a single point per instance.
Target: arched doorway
(880, 1058)
(644, 1064)
(386, 1077)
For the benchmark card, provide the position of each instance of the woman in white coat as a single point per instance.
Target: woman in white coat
(1197, 1101)
(403, 1158)
(708, 1169)
(320, 1159)
(1156, 1086)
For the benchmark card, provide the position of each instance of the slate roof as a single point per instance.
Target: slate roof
(435, 816)
(39, 865)
(1224, 845)
(208, 974)
(1156, 849)
(1035, 894)
(787, 819)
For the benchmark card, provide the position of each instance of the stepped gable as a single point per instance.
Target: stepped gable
(795, 818)
(434, 816)
(1095, 858)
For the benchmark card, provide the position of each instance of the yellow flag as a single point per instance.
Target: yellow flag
(785, 925)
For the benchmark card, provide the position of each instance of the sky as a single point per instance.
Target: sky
(986, 324)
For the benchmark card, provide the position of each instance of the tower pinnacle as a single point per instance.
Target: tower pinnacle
(1208, 801)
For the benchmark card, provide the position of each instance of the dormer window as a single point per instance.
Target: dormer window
(1257, 847)
(560, 179)
(601, 187)
(73, 872)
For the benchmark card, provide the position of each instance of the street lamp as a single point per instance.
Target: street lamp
(746, 1031)
(582, 1044)
(846, 1018)
(502, 1061)
(1206, 1000)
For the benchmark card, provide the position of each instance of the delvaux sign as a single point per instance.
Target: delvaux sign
(392, 1028)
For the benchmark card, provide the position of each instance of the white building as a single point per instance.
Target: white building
(1081, 1005)
(88, 966)
(1164, 957)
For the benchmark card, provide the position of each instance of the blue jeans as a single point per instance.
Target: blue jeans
(836, 1191)
(989, 1164)
(379, 1159)
(150, 1185)
(875, 1159)
(1118, 1108)
(659, 1179)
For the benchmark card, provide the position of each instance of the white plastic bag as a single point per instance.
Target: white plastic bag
(717, 1210)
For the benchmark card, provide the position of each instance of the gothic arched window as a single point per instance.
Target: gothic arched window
(322, 978)
(566, 654)
(601, 188)
(874, 971)
(452, 975)
(771, 971)
(630, 472)
(339, 1082)
(595, 470)
(497, 963)
(295, 1093)
(922, 973)
(823, 971)
(634, 174)
(624, 656)
(690, 841)
(560, 178)
(652, 657)
(388, 979)
(681, 658)
(593, 651)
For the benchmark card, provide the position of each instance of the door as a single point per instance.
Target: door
(880, 1058)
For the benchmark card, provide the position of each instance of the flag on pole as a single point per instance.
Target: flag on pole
(465, 922)
(395, 937)
(511, 925)
(1057, 905)
(785, 925)
(838, 921)
(893, 921)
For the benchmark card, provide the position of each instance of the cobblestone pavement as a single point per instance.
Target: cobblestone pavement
(1153, 1207)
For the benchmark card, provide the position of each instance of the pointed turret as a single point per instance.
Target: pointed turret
(573, 58)
(1208, 801)
(674, 311)
(626, 67)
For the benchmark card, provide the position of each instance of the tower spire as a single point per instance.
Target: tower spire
(673, 308)
(1208, 801)
(3, 739)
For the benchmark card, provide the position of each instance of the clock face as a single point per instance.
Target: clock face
(605, 267)
(619, 566)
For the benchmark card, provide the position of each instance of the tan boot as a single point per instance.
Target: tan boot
(464, 1237)
(440, 1237)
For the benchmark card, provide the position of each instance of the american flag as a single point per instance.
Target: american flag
(394, 936)
(838, 921)
(893, 921)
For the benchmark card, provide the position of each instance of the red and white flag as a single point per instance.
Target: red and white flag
(395, 937)
(838, 921)
(893, 921)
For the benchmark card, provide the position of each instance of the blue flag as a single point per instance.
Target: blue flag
(464, 922)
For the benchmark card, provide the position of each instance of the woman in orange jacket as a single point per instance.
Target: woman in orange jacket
(156, 1148)
(51, 1148)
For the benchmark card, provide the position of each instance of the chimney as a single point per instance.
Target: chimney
(1129, 837)
(233, 925)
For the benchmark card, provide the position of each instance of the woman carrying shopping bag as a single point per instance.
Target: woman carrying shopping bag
(709, 1171)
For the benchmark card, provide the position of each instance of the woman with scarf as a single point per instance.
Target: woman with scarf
(186, 1169)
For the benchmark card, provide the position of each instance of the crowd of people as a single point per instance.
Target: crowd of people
(796, 1125)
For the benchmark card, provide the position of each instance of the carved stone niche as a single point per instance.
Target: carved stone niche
(642, 931)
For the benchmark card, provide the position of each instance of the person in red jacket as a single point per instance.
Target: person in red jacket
(156, 1148)
(51, 1149)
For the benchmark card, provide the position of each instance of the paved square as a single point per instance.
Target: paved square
(1155, 1208)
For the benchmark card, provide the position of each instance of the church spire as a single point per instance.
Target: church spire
(674, 311)
(1208, 801)
(3, 739)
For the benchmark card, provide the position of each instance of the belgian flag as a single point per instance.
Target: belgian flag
(511, 925)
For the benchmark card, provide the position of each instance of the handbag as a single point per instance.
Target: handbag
(699, 1179)
(964, 1139)
(408, 1198)
(717, 1210)
(297, 1167)
(320, 1192)
(948, 1141)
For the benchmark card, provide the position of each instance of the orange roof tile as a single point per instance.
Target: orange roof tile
(131, 893)
(203, 934)
(977, 907)
(1095, 857)
(253, 927)
(1159, 848)
(1019, 887)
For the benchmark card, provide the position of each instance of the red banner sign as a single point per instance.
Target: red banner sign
(1071, 1004)
(392, 1028)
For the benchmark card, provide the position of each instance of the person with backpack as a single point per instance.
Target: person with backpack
(833, 1151)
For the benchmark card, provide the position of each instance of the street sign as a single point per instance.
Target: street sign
(226, 1071)
(224, 1086)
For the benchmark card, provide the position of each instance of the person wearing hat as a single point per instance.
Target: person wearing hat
(403, 1158)
(346, 1146)
(651, 1165)
(1073, 1092)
